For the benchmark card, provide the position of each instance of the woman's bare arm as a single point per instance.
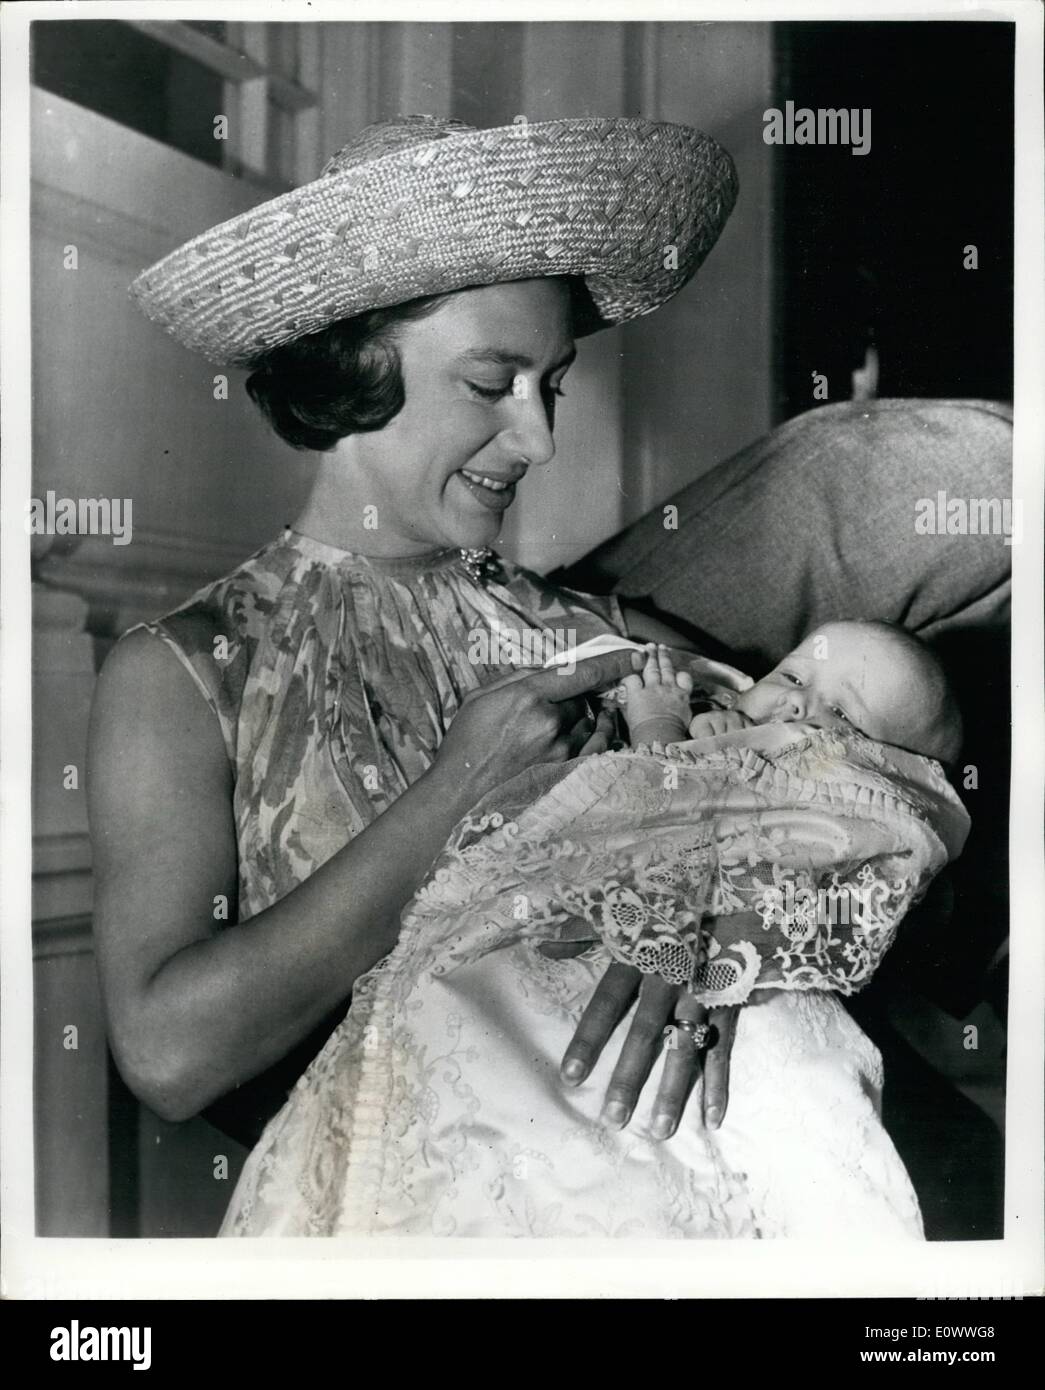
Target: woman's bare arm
(196, 1006)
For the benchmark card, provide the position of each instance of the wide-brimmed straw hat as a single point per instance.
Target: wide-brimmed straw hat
(419, 206)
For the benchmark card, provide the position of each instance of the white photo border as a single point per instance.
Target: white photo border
(36, 1267)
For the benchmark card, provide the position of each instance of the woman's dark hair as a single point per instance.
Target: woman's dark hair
(345, 379)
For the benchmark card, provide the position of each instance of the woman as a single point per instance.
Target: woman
(303, 735)
(285, 745)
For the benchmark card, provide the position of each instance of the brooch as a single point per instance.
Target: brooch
(483, 564)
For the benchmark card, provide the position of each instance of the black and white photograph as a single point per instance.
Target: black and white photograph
(522, 671)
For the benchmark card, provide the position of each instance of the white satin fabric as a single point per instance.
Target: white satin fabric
(444, 1114)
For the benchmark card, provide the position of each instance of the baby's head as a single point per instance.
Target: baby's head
(869, 676)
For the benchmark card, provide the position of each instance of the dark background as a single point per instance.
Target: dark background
(871, 246)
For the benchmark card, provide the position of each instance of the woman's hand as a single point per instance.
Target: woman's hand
(659, 1006)
(602, 735)
(530, 717)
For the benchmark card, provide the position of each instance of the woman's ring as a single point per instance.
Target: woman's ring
(698, 1032)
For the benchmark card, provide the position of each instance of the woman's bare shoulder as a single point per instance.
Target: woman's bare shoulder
(140, 665)
(148, 701)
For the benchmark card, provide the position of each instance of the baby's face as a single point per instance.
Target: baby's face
(844, 676)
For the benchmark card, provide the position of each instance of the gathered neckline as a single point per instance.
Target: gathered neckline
(397, 566)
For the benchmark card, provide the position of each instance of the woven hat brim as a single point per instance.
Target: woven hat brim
(631, 206)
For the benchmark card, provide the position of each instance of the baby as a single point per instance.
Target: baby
(871, 677)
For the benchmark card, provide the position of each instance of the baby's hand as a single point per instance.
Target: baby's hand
(717, 721)
(656, 700)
